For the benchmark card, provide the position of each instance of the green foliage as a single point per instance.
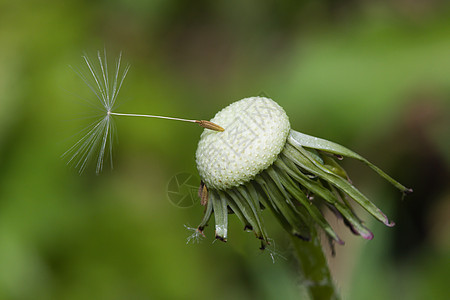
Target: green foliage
(370, 76)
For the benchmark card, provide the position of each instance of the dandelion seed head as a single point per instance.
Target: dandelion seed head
(259, 161)
(255, 133)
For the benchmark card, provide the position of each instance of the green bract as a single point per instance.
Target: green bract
(259, 162)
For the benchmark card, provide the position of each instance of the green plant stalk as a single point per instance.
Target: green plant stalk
(313, 268)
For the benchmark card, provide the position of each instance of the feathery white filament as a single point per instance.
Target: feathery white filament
(97, 139)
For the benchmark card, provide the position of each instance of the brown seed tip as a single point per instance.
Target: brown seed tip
(209, 125)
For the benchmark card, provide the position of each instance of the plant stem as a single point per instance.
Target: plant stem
(313, 267)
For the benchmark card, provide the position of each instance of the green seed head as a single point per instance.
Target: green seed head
(259, 162)
(255, 133)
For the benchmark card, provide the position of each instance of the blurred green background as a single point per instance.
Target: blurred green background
(372, 75)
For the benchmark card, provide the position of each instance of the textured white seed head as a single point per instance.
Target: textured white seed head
(256, 129)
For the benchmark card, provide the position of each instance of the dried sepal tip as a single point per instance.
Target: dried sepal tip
(203, 194)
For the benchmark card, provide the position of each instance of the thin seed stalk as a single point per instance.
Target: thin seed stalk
(203, 123)
(313, 268)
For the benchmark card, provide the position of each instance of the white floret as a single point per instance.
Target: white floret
(255, 133)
